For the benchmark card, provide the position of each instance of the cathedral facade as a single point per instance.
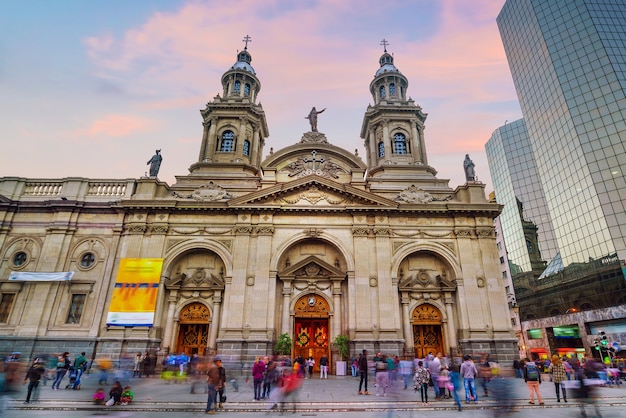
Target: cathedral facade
(310, 241)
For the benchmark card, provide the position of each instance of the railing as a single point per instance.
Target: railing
(107, 189)
(43, 188)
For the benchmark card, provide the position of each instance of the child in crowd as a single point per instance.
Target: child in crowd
(98, 397)
(127, 395)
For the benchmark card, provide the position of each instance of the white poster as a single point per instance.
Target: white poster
(29, 276)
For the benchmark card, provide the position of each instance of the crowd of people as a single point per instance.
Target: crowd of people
(277, 380)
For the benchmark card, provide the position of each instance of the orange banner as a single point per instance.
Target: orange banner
(135, 294)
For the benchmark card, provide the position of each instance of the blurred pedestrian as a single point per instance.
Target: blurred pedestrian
(363, 370)
(80, 364)
(213, 382)
(558, 371)
(33, 377)
(532, 377)
(63, 365)
(420, 380)
(468, 373)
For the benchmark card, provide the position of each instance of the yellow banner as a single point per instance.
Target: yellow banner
(135, 294)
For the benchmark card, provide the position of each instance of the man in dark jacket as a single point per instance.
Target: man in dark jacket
(363, 372)
(33, 377)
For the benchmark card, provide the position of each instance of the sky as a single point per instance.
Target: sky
(91, 88)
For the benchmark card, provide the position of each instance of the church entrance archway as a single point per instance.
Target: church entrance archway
(193, 329)
(426, 322)
(311, 328)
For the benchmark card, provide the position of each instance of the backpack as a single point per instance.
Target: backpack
(532, 372)
(61, 362)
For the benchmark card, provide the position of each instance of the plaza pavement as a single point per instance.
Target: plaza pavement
(335, 394)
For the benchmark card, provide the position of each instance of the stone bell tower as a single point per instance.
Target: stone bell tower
(393, 132)
(235, 127)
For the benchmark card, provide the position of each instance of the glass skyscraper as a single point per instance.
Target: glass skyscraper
(516, 181)
(568, 62)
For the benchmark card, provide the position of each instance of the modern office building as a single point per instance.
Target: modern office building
(565, 163)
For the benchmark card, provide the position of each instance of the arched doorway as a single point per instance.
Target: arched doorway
(426, 322)
(311, 328)
(193, 329)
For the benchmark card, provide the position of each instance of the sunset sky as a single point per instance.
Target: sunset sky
(92, 88)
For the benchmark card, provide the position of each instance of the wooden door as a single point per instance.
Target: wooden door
(427, 339)
(427, 330)
(311, 339)
(193, 329)
(192, 338)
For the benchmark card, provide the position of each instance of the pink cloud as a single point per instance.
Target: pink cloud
(117, 126)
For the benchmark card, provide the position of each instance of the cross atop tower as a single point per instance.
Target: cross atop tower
(246, 40)
(384, 43)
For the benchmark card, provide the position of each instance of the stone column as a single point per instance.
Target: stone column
(451, 328)
(286, 311)
(373, 148)
(406, 320)
(240, 138)
(336, 308)
(416, 149)
(210, 148)
(215, 323)
(169, 325)
(386, 139)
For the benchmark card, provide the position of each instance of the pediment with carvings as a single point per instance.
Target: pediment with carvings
(425, 280)
(312, 268)
(312, 191)
(196, 279)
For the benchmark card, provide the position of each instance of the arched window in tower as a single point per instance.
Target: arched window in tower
(381, 150)
(237, 88)
(246, 148)
(392, 89)
(227, 89)
(382, 92)
(228, 141)
(399, 144)
(246, 89)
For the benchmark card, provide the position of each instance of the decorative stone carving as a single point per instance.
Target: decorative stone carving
(207, 193)
(382, 231)
(136, 229)
(243, 229)
(313, 138)
(373, 281)
(320, 166)
(158, 229)
(264, 230)
(414, 194)
(360, 231)
(463, 232)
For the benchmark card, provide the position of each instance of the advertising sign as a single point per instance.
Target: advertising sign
(135, 294)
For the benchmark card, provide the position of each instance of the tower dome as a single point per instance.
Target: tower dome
(240, 81)
(389, 85)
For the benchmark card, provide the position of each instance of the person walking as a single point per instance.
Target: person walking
(434, 367)
(468, 373)
(532, 379)
(559, 375)
(420, 380)
(455, 385)
(324, 367)
(258, 370)
(382, 374)
(221, 384)
(63, 365)
(80, 364)
(33, 377)
(138, 360)
(363, 373)
(213, 381)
